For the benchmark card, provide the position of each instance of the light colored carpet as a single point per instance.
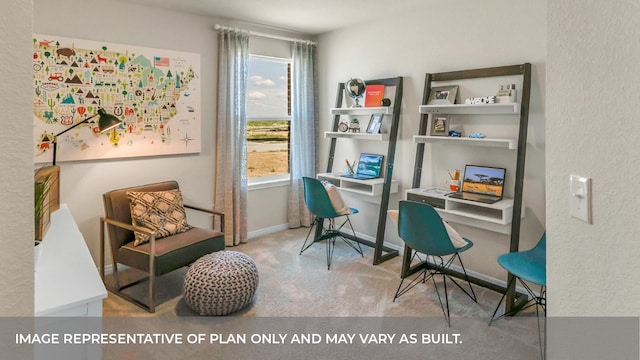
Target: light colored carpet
(293, 285)
(300, 285)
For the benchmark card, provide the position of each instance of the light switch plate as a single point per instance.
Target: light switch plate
(580, 202)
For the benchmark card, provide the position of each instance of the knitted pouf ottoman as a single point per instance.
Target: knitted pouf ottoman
(220, 283)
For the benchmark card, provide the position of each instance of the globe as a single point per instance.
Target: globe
(355, 89)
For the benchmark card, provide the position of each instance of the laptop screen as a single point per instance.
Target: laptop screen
(483, 180)
(370, 165)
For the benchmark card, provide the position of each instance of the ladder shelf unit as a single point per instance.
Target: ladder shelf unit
(382, 187)
(465, 212)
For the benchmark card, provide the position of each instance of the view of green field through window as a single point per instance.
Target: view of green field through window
(267, 148)
(268, 116)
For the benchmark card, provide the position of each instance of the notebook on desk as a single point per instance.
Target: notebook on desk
(369, 167)
(481, 183)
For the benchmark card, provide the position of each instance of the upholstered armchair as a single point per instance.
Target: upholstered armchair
(148, 231)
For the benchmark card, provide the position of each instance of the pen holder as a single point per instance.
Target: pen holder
(454, 185)
(348, 170)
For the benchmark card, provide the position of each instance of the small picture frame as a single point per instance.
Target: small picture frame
(443, 95)
(439, 125)
(374, 124)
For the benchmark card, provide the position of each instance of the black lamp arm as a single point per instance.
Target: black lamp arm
(55, 137)
(81, 122)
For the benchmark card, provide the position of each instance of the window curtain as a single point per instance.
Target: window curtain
(303, 132)
(231, 144)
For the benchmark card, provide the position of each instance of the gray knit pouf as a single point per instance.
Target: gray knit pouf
(220, 283)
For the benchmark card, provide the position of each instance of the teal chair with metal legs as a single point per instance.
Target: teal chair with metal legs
(421, 228)
(529, 267)
(319, 204)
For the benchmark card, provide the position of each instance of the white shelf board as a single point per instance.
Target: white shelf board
(493, 217)
(362, 110)
(464, 219)
(370, 187)
(361, 135)
(510, 144)
(498, 108)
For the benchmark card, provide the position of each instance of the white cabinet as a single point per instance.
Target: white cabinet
(67, 282)
(68, 290)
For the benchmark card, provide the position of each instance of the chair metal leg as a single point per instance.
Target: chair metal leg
(429, 273)
(542, 354)
(420, 278)
(330, 244)
(537, 300)
(493, 316)
(466, 277)
(304, 245)
(116, 276)
(152, 303)
(359, 249)
(330, 234)
(446, 313)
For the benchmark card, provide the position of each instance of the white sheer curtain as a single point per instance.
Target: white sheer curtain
(231, 144)
(304, 125)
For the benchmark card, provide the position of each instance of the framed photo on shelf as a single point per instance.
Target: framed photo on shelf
(439, 125)
(374, 124)
(443, 95)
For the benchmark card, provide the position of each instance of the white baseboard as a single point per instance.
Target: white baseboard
(267, 231)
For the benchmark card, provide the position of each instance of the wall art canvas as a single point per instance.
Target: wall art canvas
(155, 92)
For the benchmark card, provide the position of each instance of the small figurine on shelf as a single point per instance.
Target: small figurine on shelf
(506, 93)
(354, 126)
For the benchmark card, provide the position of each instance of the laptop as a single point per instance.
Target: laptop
(369, 167)
(481, 183)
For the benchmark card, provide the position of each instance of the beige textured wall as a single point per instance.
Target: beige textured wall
(449, 36)
(592, 130)
(16, 177)
(83, 182)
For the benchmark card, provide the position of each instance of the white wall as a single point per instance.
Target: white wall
(83, 182)
(592, 131)
(16, 177)
(588, 55)
(449, 36)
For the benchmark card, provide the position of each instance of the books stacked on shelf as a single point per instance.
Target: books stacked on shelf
(373, 95)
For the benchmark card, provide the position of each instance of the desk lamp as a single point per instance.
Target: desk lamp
(106, 122)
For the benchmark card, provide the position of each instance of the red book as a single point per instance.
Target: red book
(373, 95)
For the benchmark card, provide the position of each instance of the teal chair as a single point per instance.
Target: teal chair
(319, 204)
(421, 228)
(528, 266)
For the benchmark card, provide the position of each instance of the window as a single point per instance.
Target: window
(268, 117)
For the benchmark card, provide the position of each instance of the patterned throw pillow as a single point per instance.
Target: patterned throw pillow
(159, 211)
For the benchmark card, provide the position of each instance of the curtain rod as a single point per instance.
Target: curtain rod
(265, 35)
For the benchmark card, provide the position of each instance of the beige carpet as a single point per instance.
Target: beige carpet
(293, 285)
(300, 285)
